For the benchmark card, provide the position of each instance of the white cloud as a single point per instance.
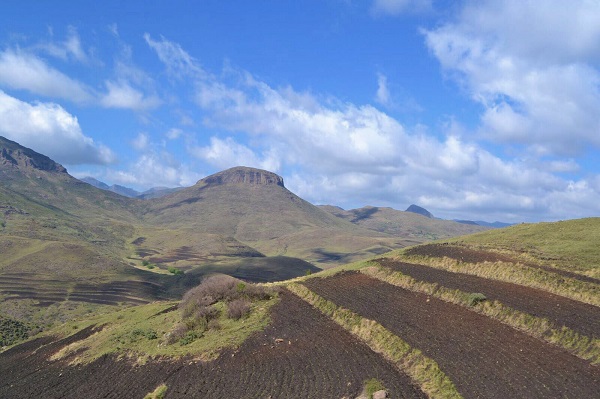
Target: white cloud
(49, 129)
(534, 69)
(228, 153)
(383, 94)
(397, 7)
(343, 153)
(70, 48)
(154, 169)
(174, 133)
(141, 142)
(121, 94)
(23, 71)
(178, 62)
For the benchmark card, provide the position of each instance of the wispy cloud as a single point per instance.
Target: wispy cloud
(24, 71)
(397, 7)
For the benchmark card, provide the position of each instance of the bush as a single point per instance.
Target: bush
(475, 298)
(175, 271)
(238, 308)
(145, 263)
(178, 333)
(373, 385)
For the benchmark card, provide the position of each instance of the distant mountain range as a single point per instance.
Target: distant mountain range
(65, 239)
(154, 192)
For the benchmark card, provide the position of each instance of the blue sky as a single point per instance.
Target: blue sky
(484, 110)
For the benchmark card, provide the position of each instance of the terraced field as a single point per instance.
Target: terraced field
(48, 291)
(578, 316)
(470, 255)
(483, 357)
(302, 354)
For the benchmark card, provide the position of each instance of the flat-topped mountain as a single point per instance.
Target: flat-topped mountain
(244, 175)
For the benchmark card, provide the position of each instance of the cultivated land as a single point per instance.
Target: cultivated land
(578, 316)
(498, 314)
(301, 354)
(484, 358)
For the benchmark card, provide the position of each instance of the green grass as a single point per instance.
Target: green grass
(158, 393)
(570, 245)
(140, 332)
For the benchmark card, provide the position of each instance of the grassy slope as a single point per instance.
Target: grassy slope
(570, 245)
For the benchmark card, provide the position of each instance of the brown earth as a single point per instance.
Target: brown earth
(301, 354)
(483, 357)
(578, 316)
(469, 255)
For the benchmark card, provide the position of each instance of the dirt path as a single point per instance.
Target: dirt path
(484, 358)
(578, 316)
(301, 354)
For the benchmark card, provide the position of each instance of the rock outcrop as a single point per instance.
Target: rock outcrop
(244, 175)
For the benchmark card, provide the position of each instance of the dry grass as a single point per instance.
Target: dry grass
(420, 368)
(582, 346)
(517, 274)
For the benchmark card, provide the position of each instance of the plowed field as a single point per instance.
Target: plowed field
(302, 354)
(578, 316)
(469, 255)
(484, 358)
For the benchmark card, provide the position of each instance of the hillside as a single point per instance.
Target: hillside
(408, 224)
(570, 245)
(253, 207)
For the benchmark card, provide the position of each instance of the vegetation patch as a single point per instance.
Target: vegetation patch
(372, 385)
(12, 331)
(199, 325)
(158, 393)
(422, 369)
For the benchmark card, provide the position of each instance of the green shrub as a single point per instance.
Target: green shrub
(145, 262)
(175, 271)
(475, 298)
(190, 337)
(373, 385)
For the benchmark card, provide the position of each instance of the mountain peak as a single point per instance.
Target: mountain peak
(244, 175)
(421, 211)
(15, 156)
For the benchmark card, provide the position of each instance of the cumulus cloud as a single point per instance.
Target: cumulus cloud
(24, 71)
(344, 153)
(533, 68)
(51, 130)
(121, 94)
(397, 7)
(228, 153)
(154, 169)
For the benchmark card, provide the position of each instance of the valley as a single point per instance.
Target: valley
(236, 287)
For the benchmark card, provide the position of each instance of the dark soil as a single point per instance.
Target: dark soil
(468, 255)
(301, 354)
(483, 357)
(578, 316)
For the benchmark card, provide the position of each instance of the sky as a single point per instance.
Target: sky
(480, 110)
